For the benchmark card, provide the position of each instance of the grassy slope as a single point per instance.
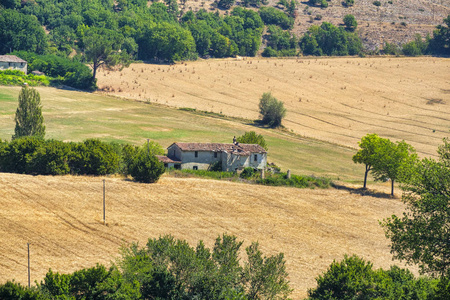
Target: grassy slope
(76, 116)
(330, 99)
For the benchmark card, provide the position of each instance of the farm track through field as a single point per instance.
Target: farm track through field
(336, 100)
(61, 219)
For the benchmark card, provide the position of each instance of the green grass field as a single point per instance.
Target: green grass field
(75, 116)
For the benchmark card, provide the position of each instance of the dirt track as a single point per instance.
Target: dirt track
(338, 100)
(62, 219)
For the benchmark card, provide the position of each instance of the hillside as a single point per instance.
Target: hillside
(336, 100)
(377, 24)
(61, 217)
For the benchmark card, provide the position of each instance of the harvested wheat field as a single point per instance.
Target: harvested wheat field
(61, 217)
(337, 100)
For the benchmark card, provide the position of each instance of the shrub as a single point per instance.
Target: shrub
(68, 72)
(376, 3)
(146, 167)
(350, 22)
(271, 15)
(355, 278)
(16, 156)
(269, 52)
(247, 173)
(93, 157)
(271, 110)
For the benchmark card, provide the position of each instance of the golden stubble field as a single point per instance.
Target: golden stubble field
(337, 100)
(62, 219)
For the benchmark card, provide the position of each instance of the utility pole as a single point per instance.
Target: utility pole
(104, 206)
(29, 277)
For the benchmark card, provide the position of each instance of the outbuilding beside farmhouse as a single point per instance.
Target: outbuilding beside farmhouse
(200, 156)
(12, 62)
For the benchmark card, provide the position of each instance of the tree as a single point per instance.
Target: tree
(102, 48)
(21, 32)
(384, 158)
(250, 137)
(422, 235)
(392, 160)
(355, 278)
(367, 155)
(145, 166)
(440, 43)
(271, 110)
(350, 22)
(29, 119)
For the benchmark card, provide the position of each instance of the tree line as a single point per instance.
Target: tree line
(106, 33)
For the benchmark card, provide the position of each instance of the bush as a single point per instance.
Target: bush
(247, 173)
(93, 157)
(354, 278)
(271, 15)
(66, 71)
(146, 167)
(350, 22)
(376, 3)
(271, 110)
(269, 52)
(280, 179)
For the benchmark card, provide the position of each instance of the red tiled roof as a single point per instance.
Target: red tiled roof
(243, 149)
(165, 159)
(11, 58)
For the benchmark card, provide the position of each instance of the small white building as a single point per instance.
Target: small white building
(12, 62)
(200, 156)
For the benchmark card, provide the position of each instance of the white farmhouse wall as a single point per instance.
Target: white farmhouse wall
(14, 66)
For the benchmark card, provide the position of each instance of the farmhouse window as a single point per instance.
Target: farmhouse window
(194, 168)
(196, 154)
(255, 158)
(215, 154)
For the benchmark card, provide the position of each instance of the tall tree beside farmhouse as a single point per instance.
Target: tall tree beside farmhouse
(250, 137)
(102, 48)
(271, 110)
(29, 119)
(422, 236)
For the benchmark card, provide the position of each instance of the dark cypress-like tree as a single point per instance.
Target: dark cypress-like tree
(29, 119)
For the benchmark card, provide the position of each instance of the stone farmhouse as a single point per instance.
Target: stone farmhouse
(13, 62)
(200, 156)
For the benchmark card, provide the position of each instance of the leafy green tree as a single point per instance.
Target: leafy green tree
(421, 236)
(102, 48)
(328, 39)
(271, 15)
(393, 160)
(384, 158)
(440, 43)
(12, 4)
(271, 110)
(350, 22)
(250, 137)
(355, 278)
(367, 155)
(145, 167)
(29, 119)
(265, 276)
(21, 32)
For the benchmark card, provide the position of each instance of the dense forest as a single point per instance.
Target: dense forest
(113, 33)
